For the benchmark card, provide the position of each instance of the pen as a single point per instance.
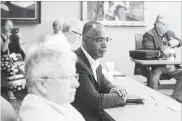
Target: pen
(170, 108)
(154, 100)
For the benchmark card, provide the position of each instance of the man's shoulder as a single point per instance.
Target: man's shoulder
(39, 115)
(47, 36)
(81, 65)
(43, 112)
(29, 107)
(79, 54)
(29, 113)
(149, 32)
(79, 58)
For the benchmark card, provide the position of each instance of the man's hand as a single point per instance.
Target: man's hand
(9, 34)
(173, 42)
(120, 91)
(169, 51)
(8, 37)
(18, 35)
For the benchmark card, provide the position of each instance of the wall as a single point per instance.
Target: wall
(123, 37)
(50, 11)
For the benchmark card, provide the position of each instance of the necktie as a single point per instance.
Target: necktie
(97, 72)
(164, 39)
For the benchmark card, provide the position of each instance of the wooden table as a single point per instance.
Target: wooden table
(156, 107)
(151, 63)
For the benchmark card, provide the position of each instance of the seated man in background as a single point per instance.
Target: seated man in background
(165, 40)
(64, 28)
(95, 92)
(57, 27)
(52, 81)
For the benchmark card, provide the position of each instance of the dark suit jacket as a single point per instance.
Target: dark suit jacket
(92, 96)
(152, 40)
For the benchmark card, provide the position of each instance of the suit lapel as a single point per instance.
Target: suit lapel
(157, 39)
(81, 55)
(99, 74)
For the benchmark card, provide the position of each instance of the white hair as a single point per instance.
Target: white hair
(59, 42)
(59, 21)
(161, 17)
(41, 54)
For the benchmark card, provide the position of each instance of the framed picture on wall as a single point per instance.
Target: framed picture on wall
(115, 13)
(21, 11)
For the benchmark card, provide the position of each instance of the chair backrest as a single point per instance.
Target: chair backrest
(138, 41)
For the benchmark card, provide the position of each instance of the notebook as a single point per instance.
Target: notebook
(135, 99)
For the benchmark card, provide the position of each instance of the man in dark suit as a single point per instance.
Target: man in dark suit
(95, 92)
(165, 40)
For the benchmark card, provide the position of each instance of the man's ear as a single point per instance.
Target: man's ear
(41, 86)
(85, 41)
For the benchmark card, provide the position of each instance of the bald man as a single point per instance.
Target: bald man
(57, 27)
(95, 92)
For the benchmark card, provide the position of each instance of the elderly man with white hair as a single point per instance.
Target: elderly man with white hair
(52, 81)
(161, 38)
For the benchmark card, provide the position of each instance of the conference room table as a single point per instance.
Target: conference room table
(153, 63)
(156, 107)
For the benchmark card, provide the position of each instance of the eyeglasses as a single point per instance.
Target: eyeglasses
(99, 40)
(164, 24)
(76, 76)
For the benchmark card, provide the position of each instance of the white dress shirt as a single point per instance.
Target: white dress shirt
(49, 36)
(59, 42)
(93, 63)
(35, 108)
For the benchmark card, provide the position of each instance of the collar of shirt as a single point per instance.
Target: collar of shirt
(162, 35)
(93, 63)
